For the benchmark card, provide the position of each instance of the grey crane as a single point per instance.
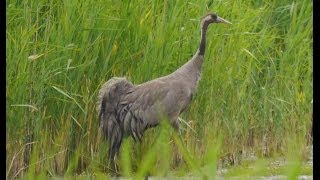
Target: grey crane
(126, 109)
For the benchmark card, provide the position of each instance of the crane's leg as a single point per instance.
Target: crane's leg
(175, 125)
(177, 133)
(183, 150)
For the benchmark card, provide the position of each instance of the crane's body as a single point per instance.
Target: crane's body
(127, 109)
(164, 97)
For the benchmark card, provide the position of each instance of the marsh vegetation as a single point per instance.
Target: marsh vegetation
(255, 95)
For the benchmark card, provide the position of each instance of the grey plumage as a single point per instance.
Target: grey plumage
(127, 109)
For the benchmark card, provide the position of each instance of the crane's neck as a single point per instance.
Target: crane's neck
(192, 69)
(198, 57)
(202, 46)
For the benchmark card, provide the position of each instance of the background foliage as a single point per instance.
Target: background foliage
(255, 93)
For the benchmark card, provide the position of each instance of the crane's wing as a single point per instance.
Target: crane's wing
(146, 104)
(138, 107)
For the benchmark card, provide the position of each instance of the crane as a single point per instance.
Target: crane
(126, 109)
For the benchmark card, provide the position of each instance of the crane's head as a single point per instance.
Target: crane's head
(213, 18)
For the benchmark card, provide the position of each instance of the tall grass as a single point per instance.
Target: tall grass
(255, 91)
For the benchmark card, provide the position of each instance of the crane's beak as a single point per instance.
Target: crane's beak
(220, 20)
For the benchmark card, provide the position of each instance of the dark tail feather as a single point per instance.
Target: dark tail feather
(107, 106)
(115, 142)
